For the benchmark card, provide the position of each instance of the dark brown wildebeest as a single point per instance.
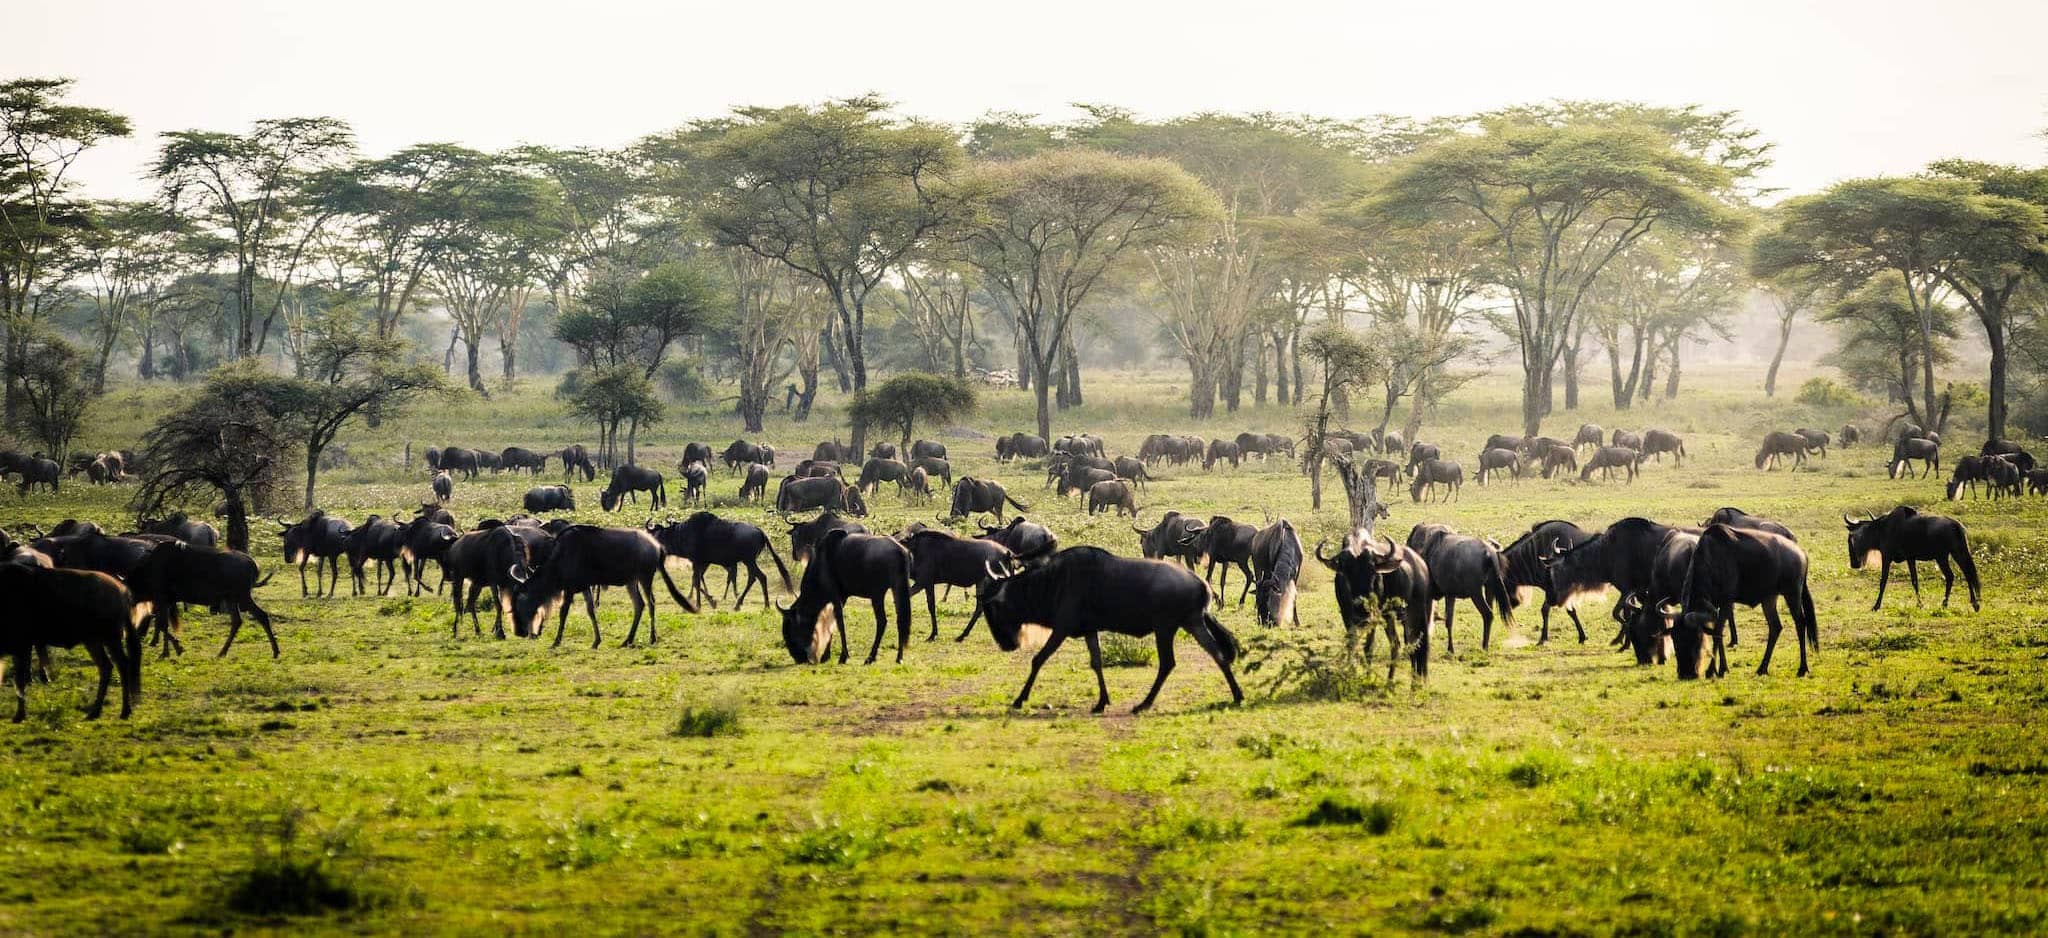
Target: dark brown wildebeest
(1420, 453)
(177, 524)
(1276, 566)
(500, 556)
(1112, 494)
(1816, 440)
(808, 494)
(1391, 581)
(1527, 570)
(557, 497)
(882, 449)
(1020, 445)
(755, 486)
(1079, 479)
(975, 496)
(1967, 472)
(927, 449)
(176, 572)
(1221, 450)
(696, 478)
(321, 540)
(2012, 451)
(935, 467)
(1391, 443)
(706, 540)
(877, 471)
(460, 459)
(1608, 458)
(426, 538)
(1176, 536)
(380, 541)
(1737, 518)
(848, 566)
(1560, 457)
(1464, 567)
(66, 609)
(915, 485)
(2037, 482)
(1431, 473)
(1227, 542)
(1910, 449)
(586, 557)
(1381, 469)
(1132, 470)
(1627, 438)
(695, 452)
(1589, 434)
(1505, 441)
(1736, 566)
(1851, 435)
(575, 457)
(939, 558)
(804, 536)
(1905, 535)
(816, 469)
(1496, 460)
(833, 451)
(1657, 442)
(1779, 444)
(443, 486)
(515, 458)
(628, 480)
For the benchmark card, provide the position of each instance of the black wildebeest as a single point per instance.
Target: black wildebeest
(1029, 541)
(628, 480)
(1431, 473)
(433, 458)
(742, 453)
(831, 451)
(1220, 450)
(808, 494)
(575, 457)
(696, 477)
(754, 487)
(1131, 470)
(1464, 567)
(1505, 441)
(66, 609)
(2037, 482)
(1381, 469)
(848, 566)
(927, 449)
(1276, 567)
(877, 471)
(1816, 440)
(1736, 566)
(1608, 458)
(940, 558)
(2012, 451)
(515, 458)
(706, 540)
(1495, 460)
(1020, 445)
(1421, 453)
(1391, 443)
(1619, 556)
(1590, 434)
(177, 524)
(35, 471)
(1909, 449)
(1079, 444)
(935, 467)
(816, 469)
(882, 449)
(499, 556)
(1078, 479)
(444, 486)
(1657, 442)
(1970, 470)
(1907, 536)
(586, 557)
(1558, 458)
(489, 460)
(1737, 518)
(915, 486)
(1227, 542)
(319, 539)
(459, 459)
(424, 538)
(695, 452)
(1086, 590)
(976, 496)
(1779, 444)
(1176, 536)
(176, 572)
(1394, 583)
(1627, 438)
(1112, 495)
(1526, 571)
(1851, 435)
(552, 497)
(377, 540)
(804, 536)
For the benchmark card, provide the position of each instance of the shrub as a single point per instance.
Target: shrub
(1824, 392)
(682, 380)
(1123, 651)
(282, 879)
(1377, 816)
(718, 718)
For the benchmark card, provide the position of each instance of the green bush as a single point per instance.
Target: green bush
(1824, 392)
(682, 380)
(719, 718)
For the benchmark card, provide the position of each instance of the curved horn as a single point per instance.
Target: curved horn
(1491, 542)
(1141, 531)
(1848, 523)
(1669, 608)
(989, 566)
(1330, 562)
(782, 608)
(518, 575)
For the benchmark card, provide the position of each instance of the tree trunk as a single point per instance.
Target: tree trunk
(1231, 380)
(1073, 374)
(238, 519)
(1533, 381)
(1201, 388)
(1649, 377)
(1671, 381)
(312, 473)
(632, 440)
(476, 376)
(1259, 374)
(508, 353)
(830, 343)
(809, 393)
(145, 367)
(1994, 419)
(1778, 357)
(1280, 385)
(1024, 374)
(1043, 396)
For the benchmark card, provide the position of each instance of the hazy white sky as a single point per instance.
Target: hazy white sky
(1845, 87)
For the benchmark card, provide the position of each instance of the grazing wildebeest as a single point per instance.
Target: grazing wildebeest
(1905, 535)
(1060, 464)
(1155, 448)
(1176, 536)
(1431, 473)
(1534, 447)
(1851, 435)
(1608, 458)
(1495, 460)
(443, 486)
(1779, 444)
(1657, 442)
(1909, 449)
(424, 538)
(1590, 434)
(1816, 440)
(1221, 450)
(1627, 438)
(706, 540)
(742, 453)
(459, 459)
(1227, 542)
(1526, 570)
(1736, 566)
(1079, 479)
(182, 527)
(488, 460)
(574, 457)
(882, 450)
(1029, 541)
(2037, 482)
(834, 451)
(941, 558)
(803, 536)
(555, 497)
(755, 486)
(915, 486)
(1505, 441)
(1393, 582)
(695, 452)
(1967, 472)
(319, 539)
(518, 457)
(1560, 457)
(807, 494)
(1620, 556)
(973, 496)
(586, 557)
(1273, 444)
(816, 469)
(1737, 518)
(927, 449)
(36, 470)
(877, 471)
(2012, 451)
(377, 540)
(628, 480)
(1464, 567)
(1112, 495)
(1640, 614)
(1421, 453)
(500, 556)
(1086, 590)
(66, 609)
(1020, 445)
(848, 566)
(176, 572)
(1078, 444)
(1276, 566)
(695, 478)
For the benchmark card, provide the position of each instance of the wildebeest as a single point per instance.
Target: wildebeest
(444, 486)
(1380, 469)
(1737, 518)
(319, 539)
(66, 609)
(1220, 450)
(377, 540)
(1176, 536)
(1112, 495)
(816, 469)
(177, 524)
(877, 471)
(927, 449)
(574, 457)
(1565, 458)
(1493, 461)
(1627, 438)
(625, 482)
(489, 460)
(1276, 566)
(2012, 451)
(695, 452)
(1391, 443)
(555, 497)
(1816, 440)
(1078, 479)
(1851, 435)
(755, 486)
(803, 536)
(1079, 444)
(1227, 542)
(35, 471)
(585, 557)
(1019, 445)
(1970, 470)
(2037, 482)
(935, 467)
(424, 538)
(1657, 442)
(1608, 458)
(1779, 444)
(1907, 536)
(695, 478)
(974, 496)
(1736, 566)
(882, 449)
(833, 451)
(460, 459)
(848, 566)
(807, 494)
(1421, 453)
(1431, 473)
(1394, 583)
(1590, 434)
(433, 458)
(1504, 441)
(1909, 449)
(940, 558)
(1029, 541)
(1464, 567)
(499, 556)
(706, 540)
(1526, 570)
(742, 453)
(915, 485)
(1084, 591)
(1620, 556)
(518, 457)
(177, 572)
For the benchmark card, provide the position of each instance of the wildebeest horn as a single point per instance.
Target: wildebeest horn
(1669, 608)
(1327, 561)
(518, 575)
(782, 608)
(1851, 525)
(1495, 544)
(990, 567)
(1141, 531)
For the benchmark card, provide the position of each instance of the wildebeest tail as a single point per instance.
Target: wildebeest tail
(259, 584)
(1812, 624)
(1497, 584)
(779, 568)
(1216, 639)
(674, 593)
(1014, 503)
(1969, 566)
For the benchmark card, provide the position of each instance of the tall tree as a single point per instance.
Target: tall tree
(400, 212)
(128, 254)
(1347, 363)
(490, 263)
(1881, 342)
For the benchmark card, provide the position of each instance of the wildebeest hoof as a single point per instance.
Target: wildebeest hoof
(92, 713)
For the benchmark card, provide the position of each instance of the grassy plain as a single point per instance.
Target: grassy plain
(387, 778)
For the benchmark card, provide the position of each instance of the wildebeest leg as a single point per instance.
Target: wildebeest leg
(590, 609)
(1450, 609)
(302, 575)
(20, 675)
(1246, 569)
(931, 605)
(1165, 639)
(1543, 637)
(334, 576)
(882, 626)
(1913, 573)
(1485, 622)
(970, 623)
(476, 588)
(633, 593)
(1581, 626)
(1095, 661)
(106, 666)
(1948, 579)
(1771, 642)
(1052, 644)
(262, 618)
(839, 618)
(1884, 572)
(562, 619)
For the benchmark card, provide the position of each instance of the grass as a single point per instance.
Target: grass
(466, 784)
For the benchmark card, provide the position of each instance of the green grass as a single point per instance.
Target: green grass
(438, 785)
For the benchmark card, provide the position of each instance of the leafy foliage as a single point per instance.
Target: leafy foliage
(902, 401)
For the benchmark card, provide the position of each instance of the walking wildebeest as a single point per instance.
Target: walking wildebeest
(443, 485)
(1608, 458)
(804, 536)
(696, 477)
(1495, 460)
(1020, 445)
(1112, 494)
(1431, 473)
(706, 540)
(1464, 567)
(695, 452)
(459, 459)
(1086, 590)
(848, 566)
(518, 457)
(755, 486)
(1395, 584)
(1816, 440)
(1276, 566)
(877, 471)
(941, 558)
(1909, 449)
(1736, 566)
(319, 539)
(927, 449)
(1590, 434)
(36, 470)
(177, 524)
(2037, 482)
(574, 457)
(1220, 450)
(424, 538)
(976, 496)
(742, 453)
(377, 540)
(1227, 542)
(1176, 536)
(1392, 443)
(554, 497)
(586, 557)
(1080, 479)
(1620, 556)
(1905, 535)
(1421, 453)
(177, 572)
(1526, 570)
(807, 494)
(628, 480)
(1560, 457)
(1627, 438)
(66, 609)
(1029, 541)
(1779, 444)
(1380, 469)
(1657, 442)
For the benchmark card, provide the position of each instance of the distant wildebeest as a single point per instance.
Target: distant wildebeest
(1079, 444)
(935, 467)
(1738, 566)
(488, 460)
(515, 458)
(459, 459)
(940, 558)
(575, 457)
(1176, 536)
(816, 469)
(1534, 447)
(877, 471)
(586, 557)
(1079, 479)
(706, 540)
(804, 536)
(1560, 458)
(1431, 473)
(1393, 583)
(1420, 453)
(754, 487)
(1276, 567)
(1737, 518)
(1851, 435)
(1627, 438)
(432, 511)
(177, 524)
(2037, 482)
(1967, 471)
(226, 580)
(1155, 448)
(1112, 495)
(1059, 465)
(1910, 449)
(424, 538)
(882, 449)
(1380, 469)
(1084, 591)
(66, 609)
(1590, 434)
(696, 477)
(1029, 541)
(1907, 536)
(37, 471)
(321, 540)
(553, 497)
(834, 451)
(499, 556)
(976, 496)
(848, 566)
(1221, 450)
(1227, 542)
(443, 486)
(808, 494)
(1504, 441)
(1657, 442)
(927, 449)
(626, 481)
(379, 541)
(1494, 461)
(742, 453)
(1816, 440)
(433, 458)
(1020, 445)
(1391, 443)
(1464, 567)
(1527, 570)
(1609, 458)
(1779, 444)
(1131, 470)
(915, 485)
(695, 452)
(2012, 451)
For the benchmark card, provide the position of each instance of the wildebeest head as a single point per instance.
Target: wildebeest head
(1692, 633)
(1642, 627)
(807, 624)
(993, 594)
(1866, 541)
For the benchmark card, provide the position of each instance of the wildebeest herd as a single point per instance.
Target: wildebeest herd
(1678, 585)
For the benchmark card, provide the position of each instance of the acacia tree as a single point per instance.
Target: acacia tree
(632, 319)
(1881, 341)
(489, 264)
(1790, 298)
(226, 441)
(903, 400)
(127, 255)
(1347, 364)
(56, 392)
(399, 212)
(612, 395)
(380, 386)
(1051, 226)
